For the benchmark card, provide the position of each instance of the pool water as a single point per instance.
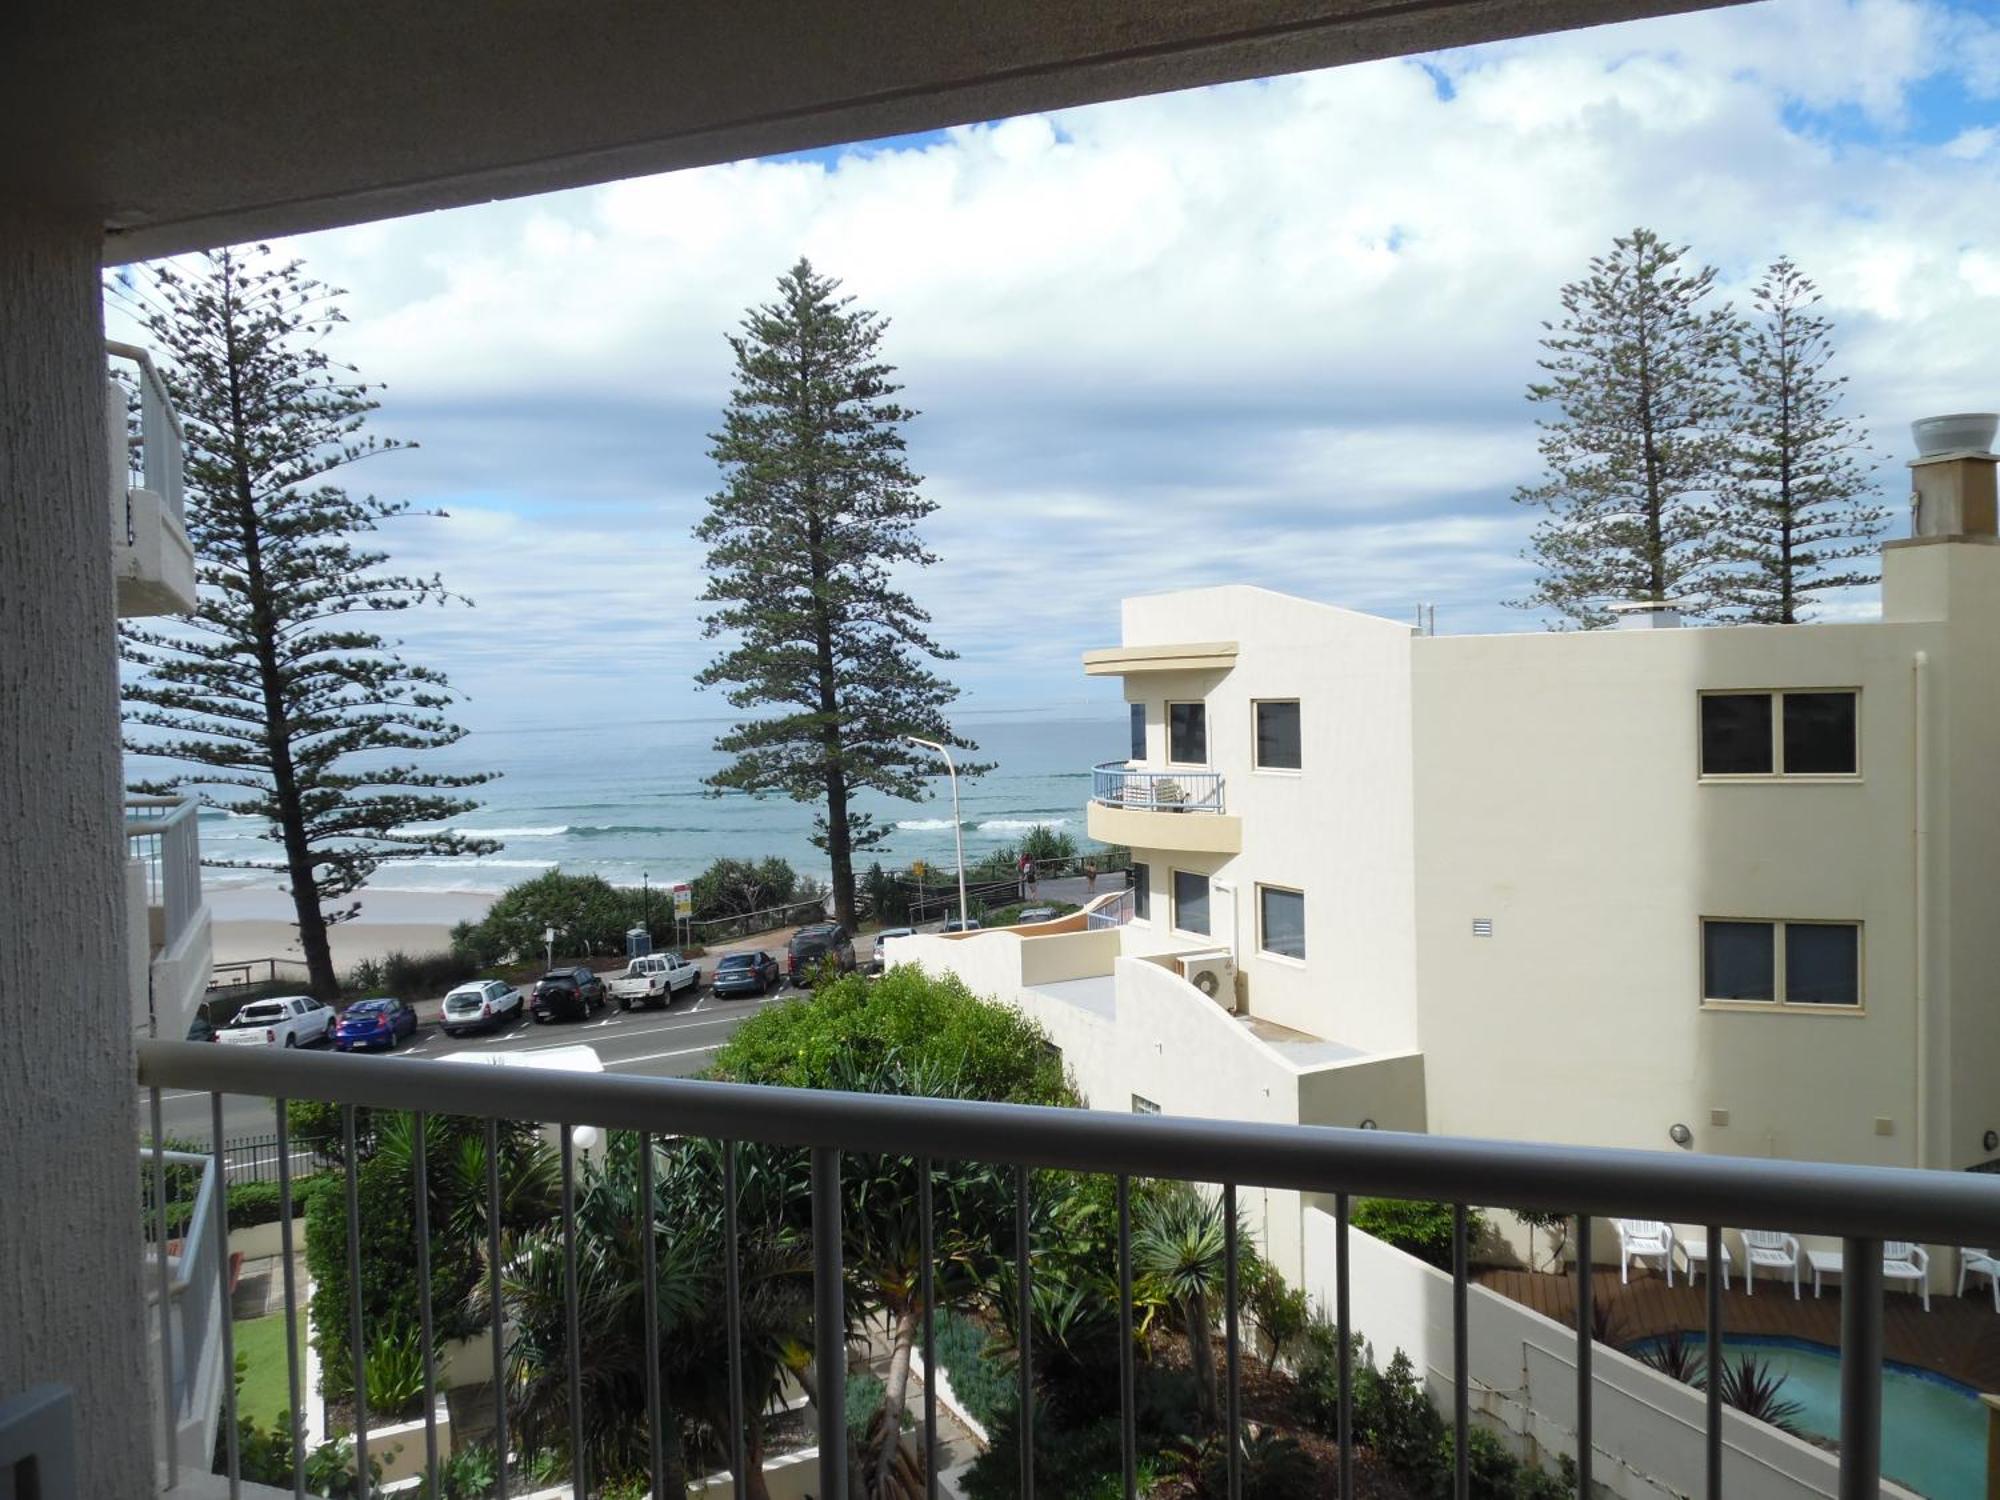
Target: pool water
(1933, 1429)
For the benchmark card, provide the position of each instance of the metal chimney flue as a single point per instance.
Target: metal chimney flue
(1952, 489)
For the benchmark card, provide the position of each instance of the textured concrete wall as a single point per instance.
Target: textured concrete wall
(71, 1306)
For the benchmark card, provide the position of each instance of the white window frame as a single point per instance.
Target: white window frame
(1138, 866)
(1779, 1004)
(1207, 748)
(1778, 771)
(1256, 706)
(1174, 902)
(1262, 950)
(1144, 730)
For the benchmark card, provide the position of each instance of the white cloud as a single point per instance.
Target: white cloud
(1273, 333)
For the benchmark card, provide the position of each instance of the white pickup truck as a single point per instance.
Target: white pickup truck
(293, 1021)
(654, 980)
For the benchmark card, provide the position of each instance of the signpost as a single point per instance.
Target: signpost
(549, 941)
(684, 908)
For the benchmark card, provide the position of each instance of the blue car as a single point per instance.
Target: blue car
(373, 1023)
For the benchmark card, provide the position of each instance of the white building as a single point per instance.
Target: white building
(1726, 888)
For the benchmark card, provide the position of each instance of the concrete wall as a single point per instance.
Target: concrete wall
(1559, 796)
(71, 1305)
(1647, 1428)
(1339, 829)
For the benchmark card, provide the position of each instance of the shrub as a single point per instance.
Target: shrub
(985, 1385)
(865, 1394)
(316, 1126)
(1278, 1312)
(253, 1203)
(1046, 842)
(1674, 1354)
(1318, 1379)
(425, 975)
(471, 1473)
(396, 1369)
(1274, 1467)
(1404, 1428)
(1417, 1227)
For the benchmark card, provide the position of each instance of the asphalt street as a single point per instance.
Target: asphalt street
(669, 1043)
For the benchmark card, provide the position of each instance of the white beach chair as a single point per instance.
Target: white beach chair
(1639, 1239)
(1903, 1261)
(1773, 1248)
(1978, 1262)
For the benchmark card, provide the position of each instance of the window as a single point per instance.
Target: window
(1142, 891)
(1278, 736)
(1781, 963)
(1138, 731)
(1799, 734)
(1187, 734)
(1141, 1105)
(1281, 921)
(1191, 902)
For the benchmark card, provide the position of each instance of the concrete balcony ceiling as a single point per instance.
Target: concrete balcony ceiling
(185, 127)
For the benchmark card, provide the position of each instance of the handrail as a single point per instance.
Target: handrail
(1116, 783)
(162, 439)
(172, 858)
(1804, 1197)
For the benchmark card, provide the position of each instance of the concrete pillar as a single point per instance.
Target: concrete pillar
(72, 1308)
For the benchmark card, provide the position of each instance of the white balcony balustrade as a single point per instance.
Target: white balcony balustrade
(169, 928)
(1174, 809)
(152, 559)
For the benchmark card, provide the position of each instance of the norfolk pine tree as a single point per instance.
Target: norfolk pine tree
(817, 508)
(1637, 461)
(279, 701)
(1802, 512)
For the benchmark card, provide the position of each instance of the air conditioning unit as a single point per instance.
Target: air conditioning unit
(1214, 974)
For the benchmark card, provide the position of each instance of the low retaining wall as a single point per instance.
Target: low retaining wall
(1647, 1428)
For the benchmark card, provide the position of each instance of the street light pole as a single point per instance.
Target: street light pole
(957, 829)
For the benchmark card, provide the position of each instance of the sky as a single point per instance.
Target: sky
(1274, 333)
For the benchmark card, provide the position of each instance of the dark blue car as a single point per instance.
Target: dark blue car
(745, 974)
(373, 1023)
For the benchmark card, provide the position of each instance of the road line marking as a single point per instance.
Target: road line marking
(619, 1062)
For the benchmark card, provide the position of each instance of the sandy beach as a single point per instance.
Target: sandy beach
(253, 924)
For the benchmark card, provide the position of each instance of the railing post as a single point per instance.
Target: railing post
(169, 1387)
(1860, 1369)
(829, 1324)
(1585, 1331)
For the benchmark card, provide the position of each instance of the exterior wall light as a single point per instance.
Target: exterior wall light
(1991, 1140)
(1369, 1125)
(1680, 1135)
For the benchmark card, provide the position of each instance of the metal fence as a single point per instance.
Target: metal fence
(1116, 784)
(1862, 1205)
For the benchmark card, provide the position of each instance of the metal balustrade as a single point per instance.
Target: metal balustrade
(1861, 1205)
(1116, 784)
(156, 452)
(162, 833)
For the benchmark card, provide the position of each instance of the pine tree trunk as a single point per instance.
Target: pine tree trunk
(1201, 1355)
(839, 837)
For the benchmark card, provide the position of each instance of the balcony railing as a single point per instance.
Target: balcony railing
(1862, 1205)
(1115, 784)
(192, 1290)
(153, 455)
(163, 834)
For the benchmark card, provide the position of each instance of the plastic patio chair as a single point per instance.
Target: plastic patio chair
(1973, 1261)
(1773, 1248)
(1903, 1261)
(1639, 1239)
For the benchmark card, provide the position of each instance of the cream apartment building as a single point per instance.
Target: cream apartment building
(1723, 888)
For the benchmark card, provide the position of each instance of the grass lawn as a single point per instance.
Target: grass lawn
(260, 1346)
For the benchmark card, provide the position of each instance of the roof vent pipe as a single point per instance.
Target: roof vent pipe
(1648, 614)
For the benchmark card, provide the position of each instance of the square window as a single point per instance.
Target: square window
(1278, 736)
(1187, 734)
(1281, 921)
(1738, 961)
(1736, 734)
(1138, 731)
(1822, 963)
(1191, 902)
(1142, 891)
(1141, 1105)
(1819, 734)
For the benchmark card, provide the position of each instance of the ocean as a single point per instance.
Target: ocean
(625, 801)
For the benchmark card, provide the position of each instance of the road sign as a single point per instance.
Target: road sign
(683, 901)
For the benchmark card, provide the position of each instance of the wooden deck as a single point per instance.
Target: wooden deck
(1958, 1337)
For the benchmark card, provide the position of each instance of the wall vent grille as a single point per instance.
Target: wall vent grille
(1482, 927)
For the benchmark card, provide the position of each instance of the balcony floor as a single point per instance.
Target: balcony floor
(1958, 1338)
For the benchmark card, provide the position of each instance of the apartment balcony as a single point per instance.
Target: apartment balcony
(151, 557)
(1544, 1385)
(167, 921)
(1182, 812)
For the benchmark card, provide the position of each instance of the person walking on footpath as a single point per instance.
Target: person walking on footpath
(1027, 876)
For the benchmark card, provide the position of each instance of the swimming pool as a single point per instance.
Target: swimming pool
(1933, 1429)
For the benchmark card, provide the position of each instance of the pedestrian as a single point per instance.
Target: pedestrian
(1089, 876)
(1027, 876)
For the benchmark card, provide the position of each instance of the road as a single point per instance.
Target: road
(661, 1044)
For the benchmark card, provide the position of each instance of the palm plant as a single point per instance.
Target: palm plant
(1756, 1390)
(1178, 1250)
(1673, 1353)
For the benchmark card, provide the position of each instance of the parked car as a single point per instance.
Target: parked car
(561, 993)
(969, 924)
(483, 1002)
(811, 948)
(381, 1022)
(200, 1029)
(654, 980)
(289, 1021)
(744, 974)
(1035, 914)
(886, 936)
